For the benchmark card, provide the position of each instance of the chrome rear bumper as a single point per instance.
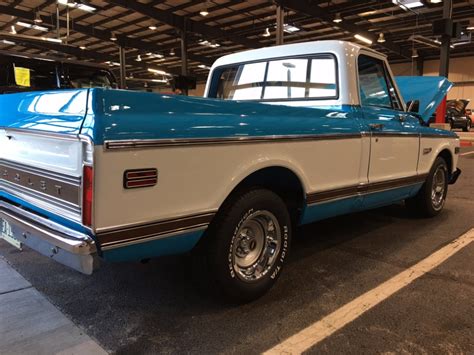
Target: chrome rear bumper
(66, 246)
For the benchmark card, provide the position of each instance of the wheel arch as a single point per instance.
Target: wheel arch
(283, 180)
(446, 154)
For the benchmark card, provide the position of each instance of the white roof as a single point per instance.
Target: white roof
(294, 49)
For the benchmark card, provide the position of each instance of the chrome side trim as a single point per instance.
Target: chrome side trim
(153, 230)
(362, 189)
(67, 246)
(152, 238)
(184, 142)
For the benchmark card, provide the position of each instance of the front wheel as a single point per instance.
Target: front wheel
(248, 244)
(468, 126)
(431, 198)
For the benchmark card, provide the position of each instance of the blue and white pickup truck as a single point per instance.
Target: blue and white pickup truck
(285, 136)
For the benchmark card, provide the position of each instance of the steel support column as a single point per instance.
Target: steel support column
(184, 54)
(444, 58)
(123, 72)
(280, 20)
(419, 66)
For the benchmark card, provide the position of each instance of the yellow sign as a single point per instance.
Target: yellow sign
(22, 76)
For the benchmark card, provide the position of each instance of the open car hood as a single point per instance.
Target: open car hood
(430, 90)
(457, 105)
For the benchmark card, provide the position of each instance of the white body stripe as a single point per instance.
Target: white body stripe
(197, 179)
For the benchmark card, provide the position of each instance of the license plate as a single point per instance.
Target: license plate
(7, 234)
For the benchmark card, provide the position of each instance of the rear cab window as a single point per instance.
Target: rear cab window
(285, 79)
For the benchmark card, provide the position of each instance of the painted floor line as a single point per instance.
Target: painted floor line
(463, 154)
(325, 327)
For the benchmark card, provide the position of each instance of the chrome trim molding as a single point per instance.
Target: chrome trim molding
(362, 189)
(36, 132)
(184, 142)
(127, 144)
(153, 230)
(67, 246)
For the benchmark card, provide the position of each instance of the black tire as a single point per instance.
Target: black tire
(423, 204)
(224, 238)
(468, 126)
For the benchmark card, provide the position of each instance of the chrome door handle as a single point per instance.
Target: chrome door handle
(374, 126)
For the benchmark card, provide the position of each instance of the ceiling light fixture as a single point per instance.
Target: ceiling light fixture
(408, 4)
(13, 30)
(381, 38)
(266, 33)
(152, 27)
(290, 28)
(38, 18)
(363, 39)
(204, 12)
(212, 44)
(6, 41)
(54, 40)
(77, 5)
(414, 54)
(172, 53)
(113, 38)
(139, 58)
(436, 1)
(29, 25)
(159, 72)
(82, 47)
(202, 66)
(338, 18)
(470, 27)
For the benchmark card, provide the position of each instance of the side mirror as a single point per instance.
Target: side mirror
(413, 106)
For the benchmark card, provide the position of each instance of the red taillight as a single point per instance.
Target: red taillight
(87, 189)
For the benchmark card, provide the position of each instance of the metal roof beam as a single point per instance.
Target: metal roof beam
(104, 35)
(310, 9)
(180, 22)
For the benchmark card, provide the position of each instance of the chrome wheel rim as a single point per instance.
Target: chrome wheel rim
(256, 245)
(438, 188)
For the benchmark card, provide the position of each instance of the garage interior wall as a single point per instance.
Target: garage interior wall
(461, 73)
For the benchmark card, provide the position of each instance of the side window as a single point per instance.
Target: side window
(373, 86)
(244, 82)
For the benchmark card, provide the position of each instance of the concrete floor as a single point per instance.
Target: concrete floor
(155, 307)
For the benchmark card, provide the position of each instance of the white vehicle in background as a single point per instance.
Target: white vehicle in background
(287, 135)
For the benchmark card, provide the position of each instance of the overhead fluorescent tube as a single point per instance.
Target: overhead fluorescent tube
(77, 5)
(29, 25)
(54, 40)
(363, 39)
(156, 71)
(408, 4)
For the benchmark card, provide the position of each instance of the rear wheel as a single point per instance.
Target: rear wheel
(431, 198)
(248, 243)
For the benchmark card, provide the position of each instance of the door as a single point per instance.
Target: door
(393, 133)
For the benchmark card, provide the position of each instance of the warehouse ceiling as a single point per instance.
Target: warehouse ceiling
(150, 30)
